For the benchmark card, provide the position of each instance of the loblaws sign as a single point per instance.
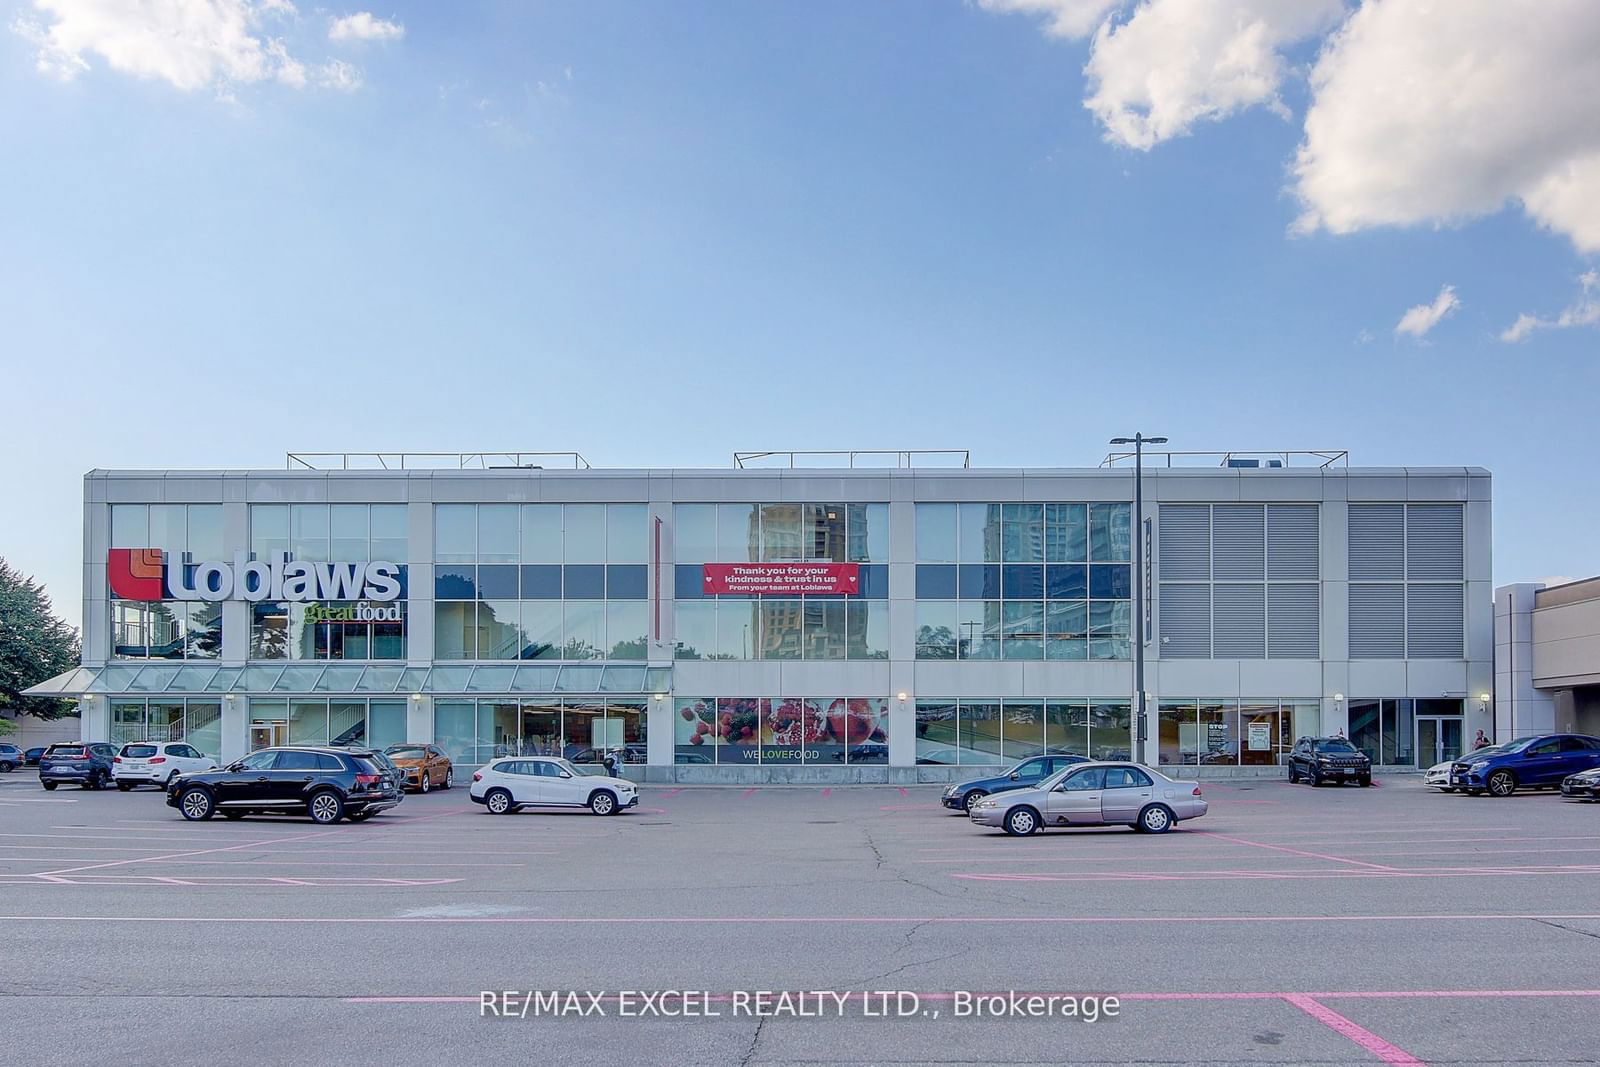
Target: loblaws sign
(144, 574)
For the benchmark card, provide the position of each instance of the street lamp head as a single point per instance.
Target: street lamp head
(1155, 440)
(1122, 440)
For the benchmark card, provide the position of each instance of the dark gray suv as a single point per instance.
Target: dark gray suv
(85, 763)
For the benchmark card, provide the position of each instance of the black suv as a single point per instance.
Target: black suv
(327, 784)
(85, 763)
(1328, 759)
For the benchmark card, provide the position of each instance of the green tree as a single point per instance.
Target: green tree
(34, 645)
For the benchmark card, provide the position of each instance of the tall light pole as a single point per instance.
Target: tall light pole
(1138, 441)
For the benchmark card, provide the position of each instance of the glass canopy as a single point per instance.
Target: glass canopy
(301, 677)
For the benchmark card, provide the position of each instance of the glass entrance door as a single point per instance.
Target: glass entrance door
(1438, 739)
(268, 734)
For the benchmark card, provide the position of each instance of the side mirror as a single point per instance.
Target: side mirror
(1016, 776)
(235, 768)
(566, 774)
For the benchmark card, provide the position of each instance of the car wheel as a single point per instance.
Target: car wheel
(1294, 775)
(49, 785)
(233, 815)
(426, 783)
(197, 804)
(7, 767)
(449, 778)
(124, 786)
(1021, 821)
(971, 798)
(325, 808)
(603, 802)
(1502, 784)
(498, 801)
(1314, 776)
(1155, 819)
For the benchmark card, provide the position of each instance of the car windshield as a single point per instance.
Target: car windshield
(139, 751)
(66, 750)
(1337, 744)
(1520, 743)
(566, 766)
(404, 752)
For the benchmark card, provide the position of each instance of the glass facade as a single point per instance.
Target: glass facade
(1023, 581)
(1233, 732)
(324, 721)
(167, 629)
(991, 732)
(197, 721)
(781, 730)
(582, 729)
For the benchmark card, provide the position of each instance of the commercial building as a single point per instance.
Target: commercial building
(854, 623)
(1547, 658)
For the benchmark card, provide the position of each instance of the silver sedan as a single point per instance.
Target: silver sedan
(1094, 794)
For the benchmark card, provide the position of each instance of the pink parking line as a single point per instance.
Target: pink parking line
(827, 792)
(1291, 851)
(672, 792)
(1384, 1050)
(904, 791)
(784, 920)
(748, 793)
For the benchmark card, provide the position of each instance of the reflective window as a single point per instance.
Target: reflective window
(308, 531)
(936, 629)
(499, 540)
(541, 533)
(455, 533)
(585, 540)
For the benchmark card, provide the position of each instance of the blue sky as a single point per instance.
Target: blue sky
(658, 233)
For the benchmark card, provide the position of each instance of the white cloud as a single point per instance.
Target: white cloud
(1417, 321)
(189, 44)
(1063, 18)
(364, 26)
(1425, 113)
(1174, 63)
(1585, 311)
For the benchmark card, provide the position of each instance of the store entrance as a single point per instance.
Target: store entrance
(268, 733)
(1438, 739)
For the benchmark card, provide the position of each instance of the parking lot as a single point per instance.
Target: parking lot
(1290, 925)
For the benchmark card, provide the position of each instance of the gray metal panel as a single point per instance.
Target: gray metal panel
(1378, 621)
(1185, 541)
(1293, 614)
(1377, 541)
(1185, 621)
(1434, 621)
(1238, 541)
(1434, 545)
(1239, 620)
(1293, 539)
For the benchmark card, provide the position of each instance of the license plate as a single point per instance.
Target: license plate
(1348, 771)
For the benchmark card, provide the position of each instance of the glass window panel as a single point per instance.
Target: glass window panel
(1110, 623)
(338, 679)
(978, 582)
(694, 629)
(203, 638)
(269, 529)
(780, 532)
(456, 581)
(205, 531)
(391, 533)
(1022, 533)
(300, 678)
(634, 729)
(454, 630)
(1218, 743)
(498, 725)
(351, 535)
(658, 679)
(585, 622)
(869, 533)
(584, 581)
(128, 640)
(1066, 581)
(1110, 581)
(739, 629)
(499, 629)
(782, 724)
(308, 531)
(874, 581)
(1066, 533)
(1023, 729)
(1022, 581)
(628, 581)
(491, 679)
(414, 679)
(866, 730)
(937, 740)
(269, 630)
(204, 728)
(455, 533)
(1066, 729)
(936, 581)
(127, 721)
(823, 532)
(168, 528)
(347, 722)
(738, 728)
(978, 629)
(536, 679)
(936, 629)
(688, 581)
(622, 679)
(782, 628)
(379, 679)
(824, 628)
(541, 581)
(541, 533)
(497, 581)
(130, 526)
(1109, 533)
(980, 733)
(867, 625)
(979, 540)
(1110, 731)
(1258, 734)
(301, 636)
(936, 534)
(627, 629)
(1177, 738)
(389, 639)
(167, 623)
(258, 679)
(738, 533)
(164, 720)
(386, 723)
(694, 533)
(585, 537)
(1066, 630)
(694, 731)
(308, 722)
(627, 533)
(583, 731)
(821, 746)
(1024, 629)
(543, 634)
(455, 730)
(498, 538)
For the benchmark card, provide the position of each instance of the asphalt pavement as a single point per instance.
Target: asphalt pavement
(1290, 925)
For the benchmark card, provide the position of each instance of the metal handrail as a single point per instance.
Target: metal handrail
(903, 457)
(1324, 458)
(344, 461)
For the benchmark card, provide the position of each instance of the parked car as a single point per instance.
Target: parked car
(11, 757)
(34, 755)
(85, 763)
(324, 782)
(1093, 794)
(157, 763)
(1329, 759)
(421, 766)
(1438, 775)
(1538, 762)
(1582, 784)
(961, 796)
(517, 782)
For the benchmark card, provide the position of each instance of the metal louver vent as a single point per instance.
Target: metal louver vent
(1238, 533)
(1185, 621)
(1434, 621)
(1377, 542)
(1294, 541)
(1433, 542)
(1378, 621)
(1240, 620)
(1294, 615)
(1185, 542)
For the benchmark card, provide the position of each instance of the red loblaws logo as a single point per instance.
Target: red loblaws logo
(137, 573)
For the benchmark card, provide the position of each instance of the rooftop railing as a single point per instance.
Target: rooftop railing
(1234, 460)
(403, 461)
(861, 457)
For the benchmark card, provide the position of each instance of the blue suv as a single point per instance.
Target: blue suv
(1539, 762)
(1030, 772)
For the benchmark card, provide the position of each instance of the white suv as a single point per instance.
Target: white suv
(157, 763)
(506, 785)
